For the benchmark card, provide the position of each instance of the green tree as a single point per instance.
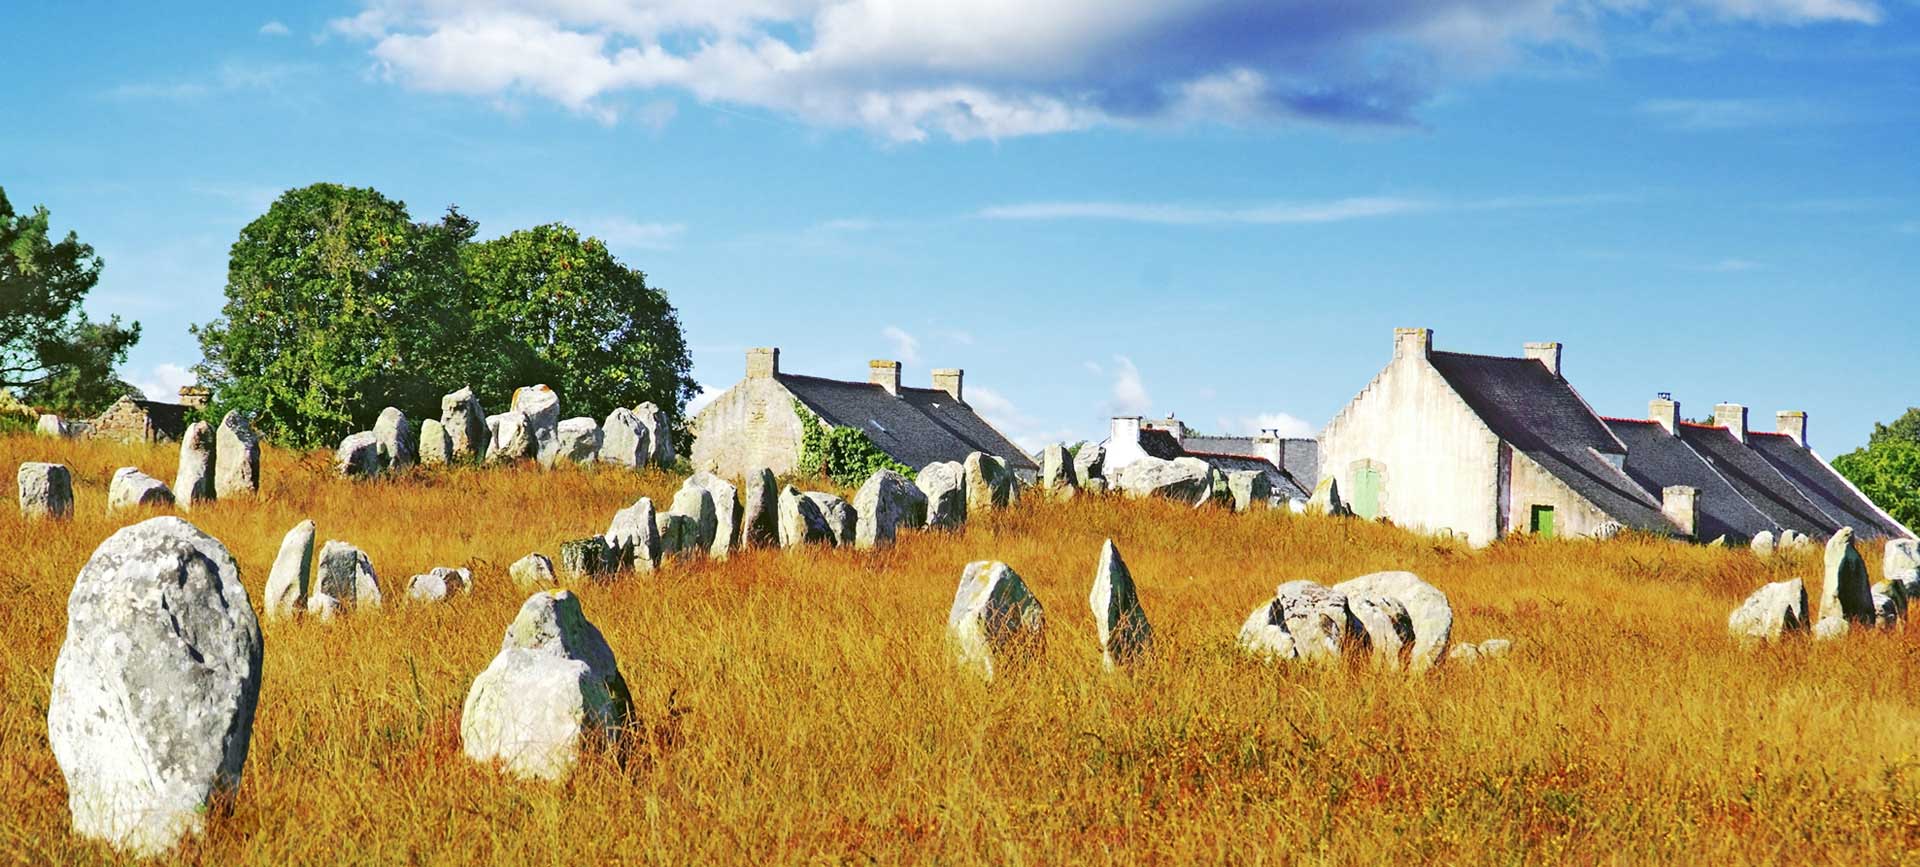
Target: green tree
(339, 305)
(553, 307)
(51, 354)
(1887, 470)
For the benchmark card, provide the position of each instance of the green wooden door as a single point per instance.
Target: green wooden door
(1543, 521)
(1366, 493)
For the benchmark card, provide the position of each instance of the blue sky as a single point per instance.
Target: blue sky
(1218, 208)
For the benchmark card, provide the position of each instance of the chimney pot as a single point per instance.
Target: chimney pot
(1665, 410)
(949, 379)
(195, 396)
(1412, 342)
(885, 374)
(1793, 423)
(763, 362)
(1733, 417)
(1548, 354)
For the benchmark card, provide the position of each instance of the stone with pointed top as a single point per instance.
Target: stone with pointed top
(531, 572)
(1056, 473)
(291, 579)
(554, 689)
(944, 483)
(1773, 612)
(1846, 595)
(1118, 618)
(995, 620)
(393, 436)
(465, 424)
(236, 465)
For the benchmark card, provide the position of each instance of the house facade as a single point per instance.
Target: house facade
(1481, 446)
(757, 422)
(1291, 464)
(134, 419)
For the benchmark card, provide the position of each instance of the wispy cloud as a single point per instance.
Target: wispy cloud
(1025, 430)
(1910, 227)
(627, 233)
(1129, 392)
(1733, 266)
(274, 28)
(1275, 213)
(1713, 115)
(1282, 423)
(163, 381)
(700, 401)
(230, 77)
(906, 347)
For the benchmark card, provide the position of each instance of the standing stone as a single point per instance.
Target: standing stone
(236, 463)
(801, 522)
(624, 441)
(358, 456)
(1118, 617)
(1762, 544)
(1771, 613)
(393, 435)
(1090, 463)
(346, 575)
(1889, 604)
(1387, 626)
(155, 686)
(727, 513)
(1326, 498)
(760, 516)
(679, 534)
(291, 578)
(46, 490)
(1183, 480)
(841, 520)
(1056, 473)
(323, 608)
(590, 557)
(634, 537)
(659, 432)
(1249, 489)
(540, 406)
(131, 488)
(1847, 596)
(887, 502)
(1901, 565)
(576, 441)
(532, 572)
(989, 483)
(513, 439)
(995, 621)
(439, 584)
(54, 426)
(1316, 617)
(554, 683)
(945, 484)
(465, 424)
(435, 448)
(194, 481)
(696, 502)
(1428, 611)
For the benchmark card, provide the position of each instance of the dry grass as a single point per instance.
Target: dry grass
(801, 707)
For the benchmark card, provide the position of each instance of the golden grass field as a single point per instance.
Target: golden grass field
(801, 707)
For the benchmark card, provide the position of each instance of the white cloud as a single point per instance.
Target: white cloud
(1026, 431)
(229, 78)
(906, 347)
(700, 401)
(1708, 115)
(1733, 266)
(965, 69)
(1093, 367)
(163, 381)
(1129, 393)
(1285, 424)
(274, 28)
(623, 232)
(1275, 213)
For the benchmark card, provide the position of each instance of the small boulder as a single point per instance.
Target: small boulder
(1428, 611)
(236, 457)
(760, 514)
(1846, 596)
(532, 572)
(1387, 626)
(841, 519)
(513, 439)
(358, 456)
(465, 424)
(727, 513)
(1056, 473)
(1183, 480)
(989, 483)
(439, 584)
(659, 432)
(1901, 564)
(393, 436)
(801, 522)
(576, 441)
(944, 484)
(553, 689)
(995, 620)
(346, 575)
(50, 425)
(193, 483)
(634, 537)
(131, 488)
(886, 503)
(46, 490)
(1771, 613)
(1249, 489)
(1118, 618)
(1317, 618)
(624, 440)
(590, 557)
(436, 449)
(155, 686)
(1495, 648)
(540, 406)
(1762, 544)
(1090, 463)
(291, 579)
(1326, 499)
(1889, 604)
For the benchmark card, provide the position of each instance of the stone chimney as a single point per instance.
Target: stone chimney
(1125, 429)
(948, 379)
(197, 397)
(1793, 423)
(1171, 425)
(1681, 504)
(1267, 445)
(1412, 341)
(1665, 410)
(885, 374)
(1547, 354)
(763, 362)
(1733, 417)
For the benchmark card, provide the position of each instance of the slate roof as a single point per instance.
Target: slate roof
(168, 418)
(1299, 460)
(1160, 444)
(1822, 486)
(920, 427)
(1757, 480)
(1220, 445)
(1284, 485)
(1539, 414)
(1656, 459)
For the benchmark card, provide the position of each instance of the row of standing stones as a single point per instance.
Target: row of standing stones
(220, 463)
(531, 430)
(1779, 610)
(156, 684)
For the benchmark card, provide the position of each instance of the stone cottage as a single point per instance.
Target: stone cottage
(1291, 464)
(135, 419)
(1483, 446)
(756, 424)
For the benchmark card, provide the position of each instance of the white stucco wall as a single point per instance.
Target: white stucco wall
(749, 426)
(1532, 485)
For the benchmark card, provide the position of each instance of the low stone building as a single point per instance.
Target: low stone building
(756, 423)
(1482, 446)
(135, 419)
(1291, 464)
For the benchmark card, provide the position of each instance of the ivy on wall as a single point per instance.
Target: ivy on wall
(844, 454)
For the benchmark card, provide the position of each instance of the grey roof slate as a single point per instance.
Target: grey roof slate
(1541, 415)
(1824, 488)
(1284, 485)
(920, 427)
(1657, 459)
(1757, 480)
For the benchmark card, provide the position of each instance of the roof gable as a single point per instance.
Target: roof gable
(916, 428)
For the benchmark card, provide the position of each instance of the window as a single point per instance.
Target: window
(1542, 524)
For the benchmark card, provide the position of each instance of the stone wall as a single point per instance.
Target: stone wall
(749, 426)
(127, 422)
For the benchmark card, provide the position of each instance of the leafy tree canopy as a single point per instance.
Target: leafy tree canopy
(1887, 470)
(51, 354)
